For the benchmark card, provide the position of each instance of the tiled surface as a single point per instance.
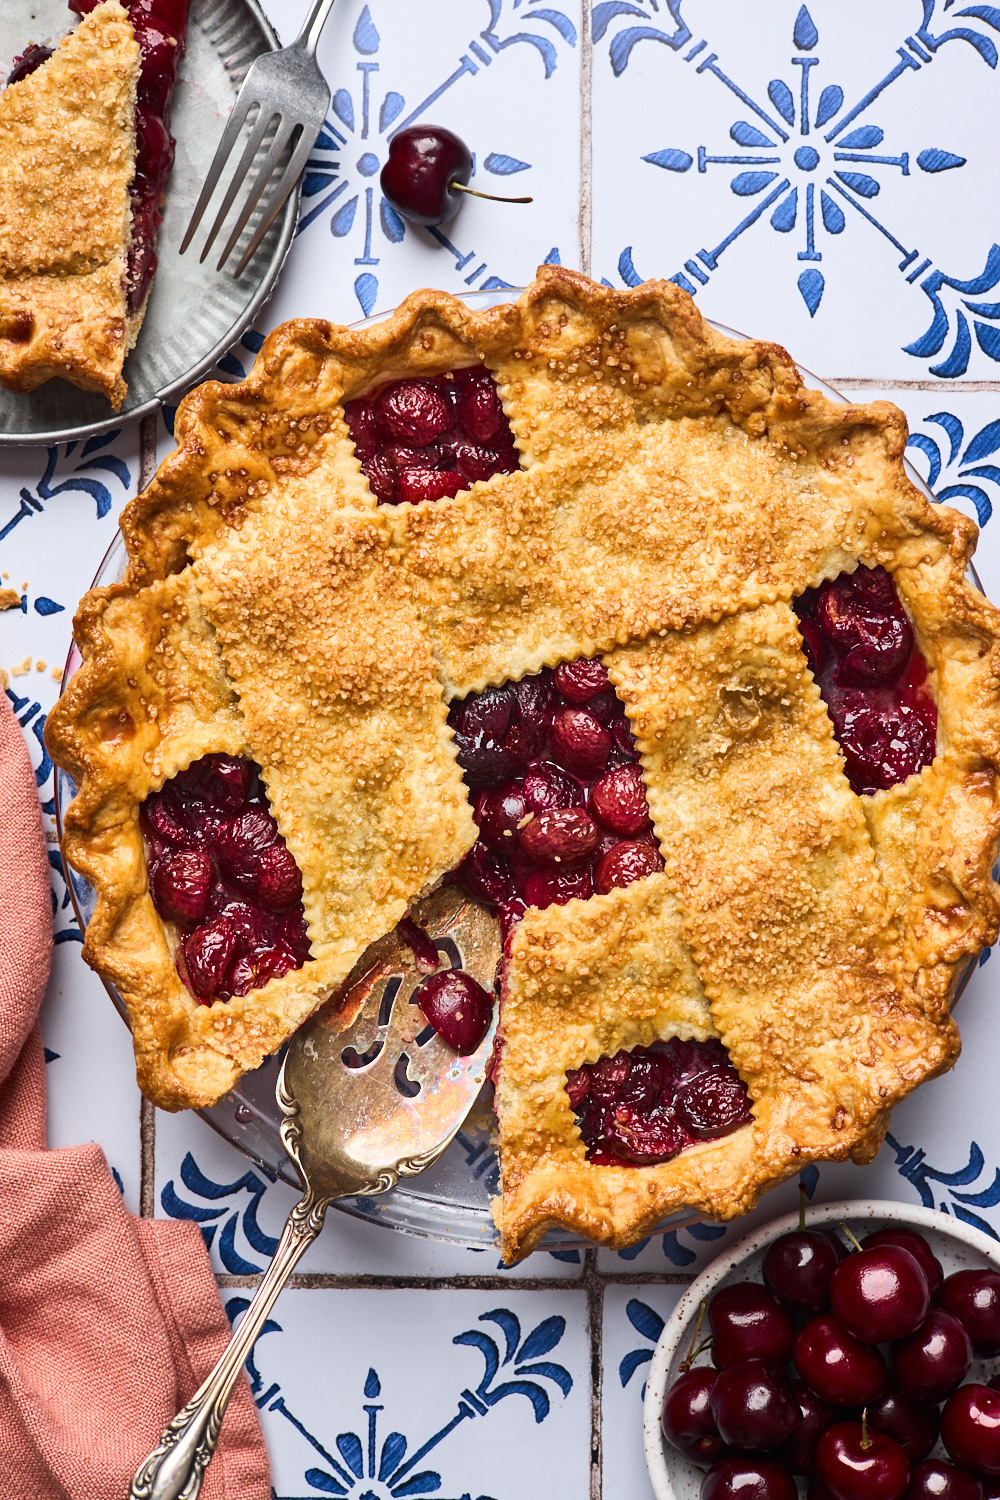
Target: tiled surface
(390, 1335)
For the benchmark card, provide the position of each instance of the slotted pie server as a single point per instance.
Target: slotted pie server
(361, 1107)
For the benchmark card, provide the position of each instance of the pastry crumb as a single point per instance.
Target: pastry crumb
(9, 598)
(24, 668)
(57, 674)
(40, 666)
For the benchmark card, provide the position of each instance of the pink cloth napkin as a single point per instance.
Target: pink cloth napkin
(108, 1323)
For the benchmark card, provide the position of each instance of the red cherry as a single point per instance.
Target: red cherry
(754, 1406)
(582, 679)
(478, 408)
(425, 173)
(545, 887)
(180, 885)
(548, 786)
(499, 812)
(797, 1268)
(687, 1420)
(747, 1323)
(713, 1104)
(974, 1298)
(413, 411)
(579, 742)
(457, 1007)
(207, 951)
(562, 836)
(30, 59)
(912, 1424)
(739, 1478)
(918, 1247)
(970, 1428)
(423, 163)
(932, 1362)
(486, 874)
(880, 1294)
(859, 1464)
(624, 863)
(837, 1366)
(933, 1480)
(416, 485)
(799, 1451)
(619, 800)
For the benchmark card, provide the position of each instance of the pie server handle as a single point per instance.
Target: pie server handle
(176, 1467)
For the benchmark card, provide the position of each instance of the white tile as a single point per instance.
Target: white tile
(633, 1320)
(241, 1210)
(417, 1393)
(90, 1073)
(712, 105)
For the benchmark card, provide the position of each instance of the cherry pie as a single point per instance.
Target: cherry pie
(85, 151)
(604, 618)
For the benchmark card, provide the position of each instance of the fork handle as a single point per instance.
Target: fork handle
(316, 20)
(176, 1467)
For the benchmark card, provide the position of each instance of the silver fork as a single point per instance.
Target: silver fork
(291, 95)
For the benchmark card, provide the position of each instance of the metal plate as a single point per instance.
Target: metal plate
(451, 1201)
(195, 312)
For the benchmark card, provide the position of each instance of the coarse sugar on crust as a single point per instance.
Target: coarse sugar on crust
(677, 490)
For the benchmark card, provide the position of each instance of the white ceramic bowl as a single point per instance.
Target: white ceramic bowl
(957, 1246)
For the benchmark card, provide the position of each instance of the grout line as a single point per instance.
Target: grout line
(868, 383)
(585, 219)
(594, 1283)
(591, 1280)
(147, 450)
(147, 1159)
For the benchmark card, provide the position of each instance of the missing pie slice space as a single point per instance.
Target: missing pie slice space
(85, 151)
(603, 621)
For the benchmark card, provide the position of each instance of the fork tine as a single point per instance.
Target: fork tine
(230, 135)
(265, 119)
(276, 150)
(285, 185)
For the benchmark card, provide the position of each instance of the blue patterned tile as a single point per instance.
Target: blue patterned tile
(241, 1210)
(633, 1321)
(418, 1393)
(503, 74)
(813, 174)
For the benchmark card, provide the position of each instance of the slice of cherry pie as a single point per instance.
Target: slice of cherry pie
(85, 150)
(605, 620)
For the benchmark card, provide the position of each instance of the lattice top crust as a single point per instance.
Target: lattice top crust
(677, 489)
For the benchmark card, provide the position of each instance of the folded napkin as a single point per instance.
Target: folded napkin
(108, 1323)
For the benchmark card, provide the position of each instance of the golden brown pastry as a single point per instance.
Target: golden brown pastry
(684, 510)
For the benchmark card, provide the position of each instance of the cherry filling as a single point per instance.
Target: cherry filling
(559, 798)
(862, 653)
(644, 1106)
(159, 30)
(31, 58)
(427, 438)
(221, 872)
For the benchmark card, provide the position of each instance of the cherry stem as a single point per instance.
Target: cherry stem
(803, 1198)
(866, 1441)
(460, 187)
(853, 1238)
(693, 1353)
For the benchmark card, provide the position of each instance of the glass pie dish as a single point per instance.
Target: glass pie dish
(452, 1201)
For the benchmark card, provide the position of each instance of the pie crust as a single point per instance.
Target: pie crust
(67, 156)
(678, 488)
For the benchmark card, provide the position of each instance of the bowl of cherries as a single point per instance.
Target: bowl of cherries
(849, 1352)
